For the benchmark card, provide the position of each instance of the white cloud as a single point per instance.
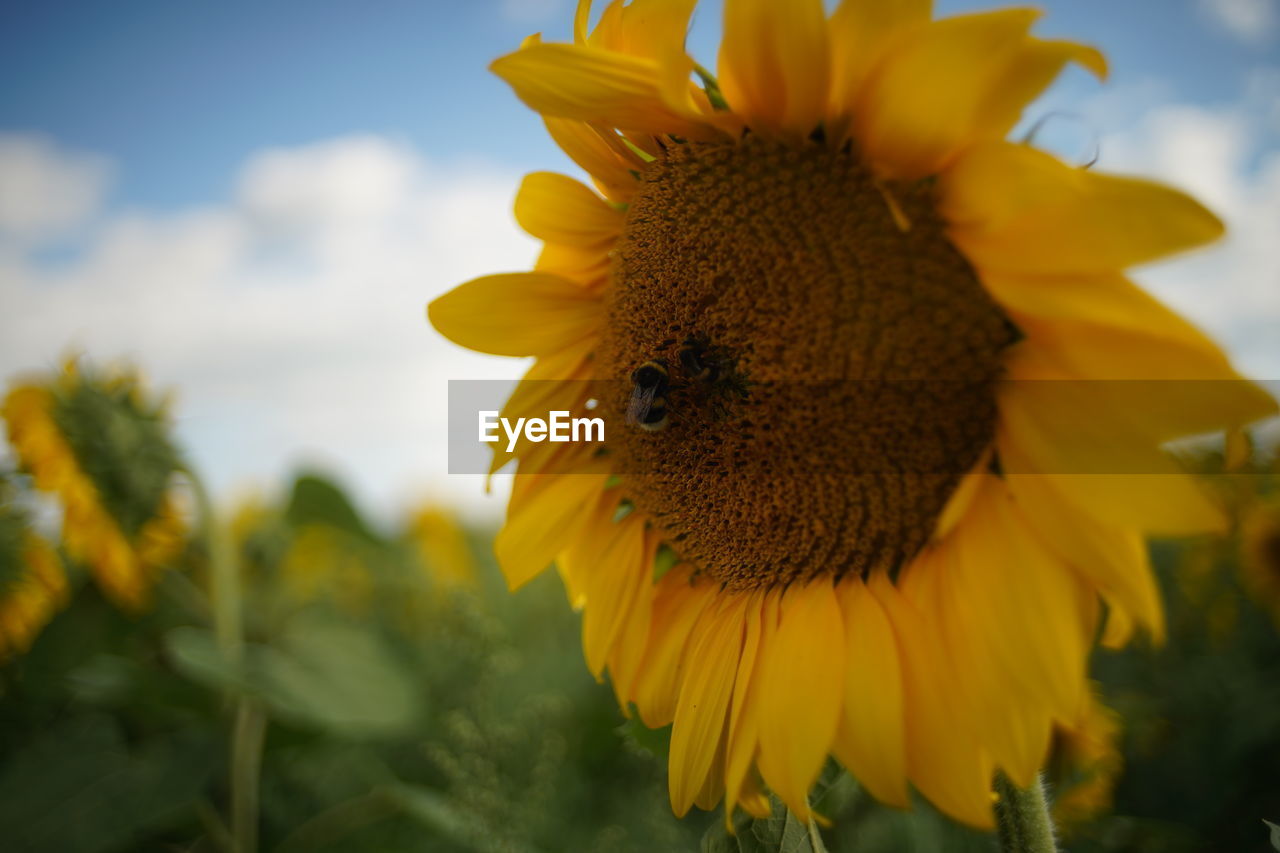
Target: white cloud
(44, 191)
(290, 320)
(1250, 21)
(1227, 157)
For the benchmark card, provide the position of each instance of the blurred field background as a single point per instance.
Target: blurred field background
(253, 203)
(391, 695)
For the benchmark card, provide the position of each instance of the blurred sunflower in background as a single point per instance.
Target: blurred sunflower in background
(907, 571)
(97, 444)
(33, 585)
(1260, 563)
(441, 544)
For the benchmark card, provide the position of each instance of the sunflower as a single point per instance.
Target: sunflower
(440, 541)
(326, 562)
(887, 547)
(1260, 557)
(1091, 752)
(103, 450)
(33, 586)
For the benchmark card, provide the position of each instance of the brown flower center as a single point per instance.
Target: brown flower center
(830, 375)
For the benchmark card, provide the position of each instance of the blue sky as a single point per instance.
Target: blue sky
(255, 200)
(176, 93)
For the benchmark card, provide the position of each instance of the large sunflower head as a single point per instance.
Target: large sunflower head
(820, 299)
(102, 448)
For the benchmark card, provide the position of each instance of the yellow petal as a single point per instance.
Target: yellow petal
(773, 64)
(862, 32)
(590, 84)
(679, 604)
(555, 382)
(653, 29)
(944, 760)
(1010, 723)
(744, 713)
(1103, 327)
(962, 497)
(558, 209)
(929, 98)
(613, 576)
(581, 20)
(1028, 72)
(801, 698)
(753, 799)
(704, 702)
(1111, 559)
(1012, 208)
(712, 789)
(628, 652)
(585, 146)
(537, 530)
(517, 314)
(1119, 627)
(871, 739)
(1103, 457)
(1024, 601)
(588, 267)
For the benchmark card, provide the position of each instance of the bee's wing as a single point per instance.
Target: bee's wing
(641, 402)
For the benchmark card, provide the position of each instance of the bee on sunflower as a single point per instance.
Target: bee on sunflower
(97, 444)
(839, 205)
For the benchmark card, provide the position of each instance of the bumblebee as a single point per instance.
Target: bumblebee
(699, 362)
(711, 368)
(650, 383)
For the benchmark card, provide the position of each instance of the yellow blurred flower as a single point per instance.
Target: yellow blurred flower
(1260, 560)
(1091, 748)
(33, 586)
(323, 563)
(442, 545)
(99, 446)
(31, 598)
(767, 269)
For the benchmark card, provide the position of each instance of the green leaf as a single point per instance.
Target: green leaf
(79, 788)
(316, 500)
(195, 654)
(655, 743)
(318, 673)
(336, 677)
(780, 832)
(429, 808)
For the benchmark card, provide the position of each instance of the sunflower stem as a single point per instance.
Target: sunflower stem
(246, 761)
(249, 729)
(224, 576)
(815, 837)
(1022, 816)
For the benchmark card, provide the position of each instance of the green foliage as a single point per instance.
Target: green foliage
(408, 714)
(120, 442)
(13, 527)
(316, 500)
(320, 673)
(412, 716)
(780, 832)
(81, 787)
